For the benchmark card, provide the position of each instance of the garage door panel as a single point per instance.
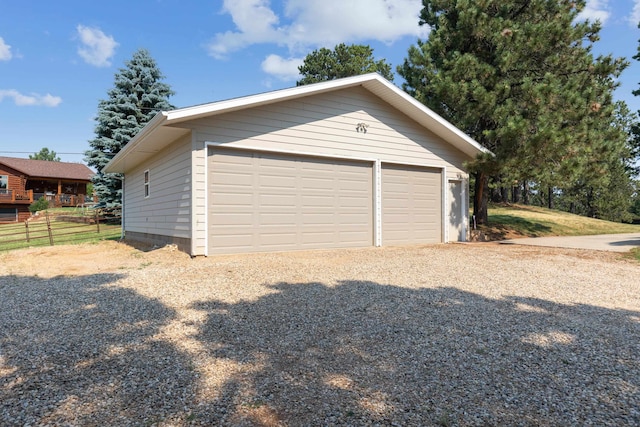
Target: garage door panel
(317, 201)
(231, 218)
(277, 239)
(236, 199)
(277, 200)
(411, 205)
(288, 202)
(233, 180)
(239, 242)
(267, 219)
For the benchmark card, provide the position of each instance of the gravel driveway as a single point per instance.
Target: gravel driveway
(446, 335)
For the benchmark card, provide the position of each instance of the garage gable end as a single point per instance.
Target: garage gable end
(352, 123)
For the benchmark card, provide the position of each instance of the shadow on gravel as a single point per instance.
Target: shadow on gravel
(362, 352)
(76, 351)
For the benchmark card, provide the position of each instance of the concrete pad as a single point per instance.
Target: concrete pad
(600, 242)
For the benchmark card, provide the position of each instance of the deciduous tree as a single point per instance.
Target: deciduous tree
(45, 154)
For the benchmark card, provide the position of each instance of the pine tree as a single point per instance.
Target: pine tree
(343, 61)
(520, 78)
(137, 96)
(635, 130)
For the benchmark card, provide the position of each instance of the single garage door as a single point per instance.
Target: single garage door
(272, 202)
(411, 205)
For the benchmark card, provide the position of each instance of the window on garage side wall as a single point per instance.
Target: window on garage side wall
(146, 183)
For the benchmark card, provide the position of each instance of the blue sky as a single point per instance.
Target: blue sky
(58, 58)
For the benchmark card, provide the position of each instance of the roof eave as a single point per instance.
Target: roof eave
(373, 82)
(432, 120)
(115, 163)
(225, 106)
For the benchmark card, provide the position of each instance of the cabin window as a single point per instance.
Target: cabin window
(4, 183)
(8, 214)
(146, 183)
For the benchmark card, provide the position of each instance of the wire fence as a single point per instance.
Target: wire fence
(49, 230)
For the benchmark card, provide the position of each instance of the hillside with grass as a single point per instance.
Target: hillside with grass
(513, 221)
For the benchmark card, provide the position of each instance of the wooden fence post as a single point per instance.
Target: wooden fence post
(97, 222)
(49, 229)
(26, 226)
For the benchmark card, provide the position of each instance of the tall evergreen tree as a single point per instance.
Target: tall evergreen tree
(343, 61)
(137, 96)
(635, 130)
(519, 77)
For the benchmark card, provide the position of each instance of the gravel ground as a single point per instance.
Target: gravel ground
(447, 335)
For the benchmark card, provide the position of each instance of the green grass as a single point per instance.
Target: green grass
(13, 236)
(533, 221)
(635, 254)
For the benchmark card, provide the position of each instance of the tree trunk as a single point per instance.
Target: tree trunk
(515, 194)
(525, 193)
(591, 212)
(504, 192)
(550, 198)
(480, 198)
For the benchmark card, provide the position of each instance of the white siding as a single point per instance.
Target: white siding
(325, 124)
(167, 210)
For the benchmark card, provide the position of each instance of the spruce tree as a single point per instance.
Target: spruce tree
(343, 61)
(137, 96)
(520, 78)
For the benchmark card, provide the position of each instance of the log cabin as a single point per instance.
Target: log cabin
(22, 181)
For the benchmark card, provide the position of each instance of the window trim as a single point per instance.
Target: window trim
(147, 181)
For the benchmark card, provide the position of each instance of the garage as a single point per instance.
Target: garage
(411, 205)
(352, 162)
(276, 202)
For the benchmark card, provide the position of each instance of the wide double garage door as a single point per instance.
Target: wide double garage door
(276, 202)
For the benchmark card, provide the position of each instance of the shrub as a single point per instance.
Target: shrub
(39, 205)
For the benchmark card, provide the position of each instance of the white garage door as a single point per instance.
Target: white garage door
(411, 205)
(272, 202)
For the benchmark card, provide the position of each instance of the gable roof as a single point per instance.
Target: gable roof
(165, 128)
(47, 169)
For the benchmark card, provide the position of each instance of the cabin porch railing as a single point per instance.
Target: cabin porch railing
(65, 200)
(16, 196)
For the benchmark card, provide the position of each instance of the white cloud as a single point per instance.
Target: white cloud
(256, 23)
(316, 23)
(5, 51)
(595, 10)
(97, 48)
(634, 18)
(284, 69)
(33, 99)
